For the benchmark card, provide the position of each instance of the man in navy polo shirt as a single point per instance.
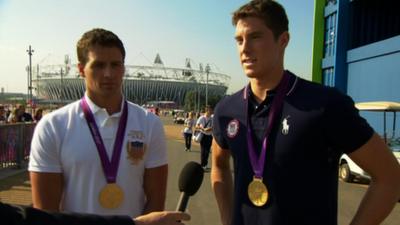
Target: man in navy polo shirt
(281, 130)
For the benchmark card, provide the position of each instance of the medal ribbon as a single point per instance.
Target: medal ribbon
(110, 169)
(258, 164)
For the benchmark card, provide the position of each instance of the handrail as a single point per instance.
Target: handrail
(15, 142)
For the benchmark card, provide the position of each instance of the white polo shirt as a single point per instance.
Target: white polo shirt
(205, 122)
(62, 143)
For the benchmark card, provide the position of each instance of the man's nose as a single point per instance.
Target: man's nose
(245, 47)
(107, 71)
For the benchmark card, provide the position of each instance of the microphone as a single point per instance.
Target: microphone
(190, 181)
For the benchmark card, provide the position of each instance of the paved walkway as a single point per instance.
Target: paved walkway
(16, 188)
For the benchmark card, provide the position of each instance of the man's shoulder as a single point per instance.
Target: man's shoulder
(311, 96)
(231, 101)
(312, 86)
(62, 113)
(135, 109)
(141, 113)
(310, 90)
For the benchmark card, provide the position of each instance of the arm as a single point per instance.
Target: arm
(384, 191)
(155, 185)
(162, 218)
(199, 124)
(221, 182)
(19, 215)
(207, 129)
(47, 189)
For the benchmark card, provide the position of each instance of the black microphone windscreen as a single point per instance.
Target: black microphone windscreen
(191, 178)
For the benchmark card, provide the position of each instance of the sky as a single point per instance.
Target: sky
(200, 30)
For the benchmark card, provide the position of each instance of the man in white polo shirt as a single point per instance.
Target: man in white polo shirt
(100, 154)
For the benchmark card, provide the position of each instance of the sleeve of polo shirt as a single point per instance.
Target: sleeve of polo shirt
(217, 129)
(346, 129)
(157, 147)
(44, 155)
(200, 121)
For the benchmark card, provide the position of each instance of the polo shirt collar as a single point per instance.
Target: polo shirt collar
(247, 92)
(254, 105)
(96, 109)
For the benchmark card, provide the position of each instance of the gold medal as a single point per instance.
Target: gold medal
(111, 196)
(257, 192)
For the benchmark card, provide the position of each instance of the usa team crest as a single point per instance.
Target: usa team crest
(135, 151)
(233, 128)
(136, 147)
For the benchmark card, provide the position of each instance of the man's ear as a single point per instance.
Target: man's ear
(81, 70)
(284, 39)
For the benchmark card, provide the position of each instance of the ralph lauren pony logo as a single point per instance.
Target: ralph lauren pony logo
(135, 151)
(285, 125)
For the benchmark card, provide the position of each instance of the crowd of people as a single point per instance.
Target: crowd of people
(105, 155)
(17, 114)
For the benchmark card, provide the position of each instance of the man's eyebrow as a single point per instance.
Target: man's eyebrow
(255, 33)
(251, 34)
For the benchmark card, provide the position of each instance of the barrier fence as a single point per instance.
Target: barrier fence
(15, 141)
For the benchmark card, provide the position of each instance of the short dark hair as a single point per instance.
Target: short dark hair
(99, 37)
(272, 13)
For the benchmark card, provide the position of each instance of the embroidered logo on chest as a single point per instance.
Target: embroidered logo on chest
(233, 128)
(136, 134)
(285, 125)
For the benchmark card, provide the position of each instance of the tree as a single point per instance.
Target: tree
(191, 99)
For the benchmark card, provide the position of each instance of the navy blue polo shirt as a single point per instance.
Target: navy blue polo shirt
(315, 126)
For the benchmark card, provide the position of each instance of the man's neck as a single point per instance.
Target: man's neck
(260, 86)
(112, 104)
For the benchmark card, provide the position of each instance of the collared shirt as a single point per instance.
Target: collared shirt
(316, 125)
(205, 122)
(62, 143)
(107, 124)
(258, 113)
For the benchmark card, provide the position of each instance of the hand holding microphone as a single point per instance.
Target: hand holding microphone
(190, 181)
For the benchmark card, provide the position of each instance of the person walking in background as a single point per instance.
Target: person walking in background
(38, 114)
(279, 126)
(100, 154)
(188, 130)
(22, 115)
(205, 125)
(18, 114)
(3, 118)
(13, 117)
(157, 111)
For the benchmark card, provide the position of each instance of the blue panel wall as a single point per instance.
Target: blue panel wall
(374, 71)
(374, 75)
(340, 69)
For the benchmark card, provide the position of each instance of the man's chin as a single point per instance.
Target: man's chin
(251, 75)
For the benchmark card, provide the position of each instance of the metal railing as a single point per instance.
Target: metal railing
(15, 142)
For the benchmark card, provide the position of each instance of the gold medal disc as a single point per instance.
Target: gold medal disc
(111, 196)
(257, 192)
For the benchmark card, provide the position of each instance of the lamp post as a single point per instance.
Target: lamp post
(207, 72)
(62, 86)
(37, 81)
(27, 83)
(30, 52)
